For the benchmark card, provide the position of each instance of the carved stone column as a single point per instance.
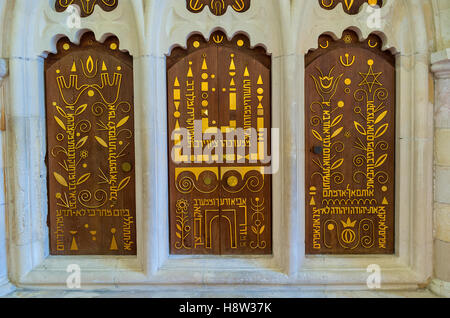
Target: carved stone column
(5, 286)
(441, 69)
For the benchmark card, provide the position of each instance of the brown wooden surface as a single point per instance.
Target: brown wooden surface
(219, 207)
(90, 140)
(86, 6)
(350, 147)
(218, 7)
(349, 6)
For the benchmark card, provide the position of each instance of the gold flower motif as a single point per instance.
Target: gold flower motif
(182, 205)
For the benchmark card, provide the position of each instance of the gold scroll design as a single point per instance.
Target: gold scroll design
(372, 128)
(115, 130)
(346, 234)
(227, 215)
(326, 87)
(90, 70)
(348, 5)
(183, 230)
(239, 178)
(72, 127)
(87, 6)
(218, 7)
(258, 227)
(203, 180)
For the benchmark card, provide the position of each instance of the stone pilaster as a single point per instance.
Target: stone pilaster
(441, 69)
(5, 286)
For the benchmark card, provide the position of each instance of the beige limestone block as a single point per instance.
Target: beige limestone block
(442, 184)
(442, 260)
(442, 222)
(442, 144)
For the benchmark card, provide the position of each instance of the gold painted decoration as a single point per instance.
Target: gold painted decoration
(90, 140)
(220, 200)
(350, 146)
(86, 6)
(217, 7)
(349, 6)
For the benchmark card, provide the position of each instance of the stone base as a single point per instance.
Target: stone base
(6, 288)
(241, 292)
(440, 287)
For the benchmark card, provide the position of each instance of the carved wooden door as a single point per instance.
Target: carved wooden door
(350, 147)
(90, 140)
(219, 95)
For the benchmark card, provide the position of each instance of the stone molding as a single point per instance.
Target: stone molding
(440, 64)
(440, 287)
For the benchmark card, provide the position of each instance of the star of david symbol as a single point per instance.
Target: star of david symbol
(370, 75)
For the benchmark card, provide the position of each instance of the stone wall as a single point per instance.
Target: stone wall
(288, 28)
(441, 68)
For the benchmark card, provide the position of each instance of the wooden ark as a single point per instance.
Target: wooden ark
(220, 199)
(350, 146)
(91, 151)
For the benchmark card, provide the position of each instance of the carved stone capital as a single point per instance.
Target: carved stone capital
(440, 64)
(3, 68)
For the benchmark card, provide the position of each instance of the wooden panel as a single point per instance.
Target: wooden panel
(350, 147)
(86, 6)
(90, 138)
(220, 203)
(349, 6)
(218, 7)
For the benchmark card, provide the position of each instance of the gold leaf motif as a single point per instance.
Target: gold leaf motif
(123, 121)
(317, 135)
(337, 120)
(90, 64)
(101, 142)
(381, 161)
(337, 164)
(60, 123)
(337, 132)
(123, 183)
(60, 179)
(61, 111)
(381, 131)
(83, 178)
(381, 117)
(81, 109)
(254, 230)
(178, 235)
(360, 128)
(262, 229)
(178, 227)
(81, 142)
